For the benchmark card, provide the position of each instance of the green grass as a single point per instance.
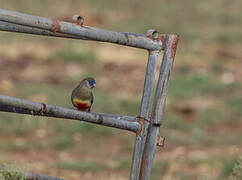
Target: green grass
(81, 166)
(114, 105)
(227, 167)
(17, 124)
(13, 147)
(174, 121)
(211, 117)
(198, 136)
(217, 67)
(224, 164)
(12, 172)
(73, 55)
(159, 169)
(57, 95)
(91, 129)
(237, 170)
(234, 103)
(92, 166)
(62, 142)
(123, 165)
(189, 86)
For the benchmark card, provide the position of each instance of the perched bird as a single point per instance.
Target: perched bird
(82, 97)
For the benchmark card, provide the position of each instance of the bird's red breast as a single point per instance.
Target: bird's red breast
(84, 105)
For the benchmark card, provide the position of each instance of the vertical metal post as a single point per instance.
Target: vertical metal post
(144, 113)
(158, 107)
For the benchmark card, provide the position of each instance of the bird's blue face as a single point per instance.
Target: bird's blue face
(92, 83)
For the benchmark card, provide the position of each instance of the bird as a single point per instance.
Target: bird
(82, 96)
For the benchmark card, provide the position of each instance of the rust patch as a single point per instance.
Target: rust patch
(160, 141)
(156, 37)
(142, 168)
(163, 39)
(56, 25)
(138, 133)
(173, 47)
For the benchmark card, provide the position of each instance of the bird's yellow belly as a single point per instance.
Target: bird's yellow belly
(82, 104)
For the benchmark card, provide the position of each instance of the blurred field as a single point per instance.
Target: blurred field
(203, 117)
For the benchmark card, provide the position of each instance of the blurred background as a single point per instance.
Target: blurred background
(203, 117)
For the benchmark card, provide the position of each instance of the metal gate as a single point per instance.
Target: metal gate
(147, 124)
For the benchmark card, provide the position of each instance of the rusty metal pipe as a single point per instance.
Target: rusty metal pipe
(144, 113)
(16, 105)
(10, 27)
(158, 107)
(83, 32)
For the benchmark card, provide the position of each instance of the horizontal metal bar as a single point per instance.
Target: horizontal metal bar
(16, 105)
(84, 32)
(10, 27)
(18, 174)
(31, 112)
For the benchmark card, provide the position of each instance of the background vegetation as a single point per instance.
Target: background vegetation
(203, 117)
